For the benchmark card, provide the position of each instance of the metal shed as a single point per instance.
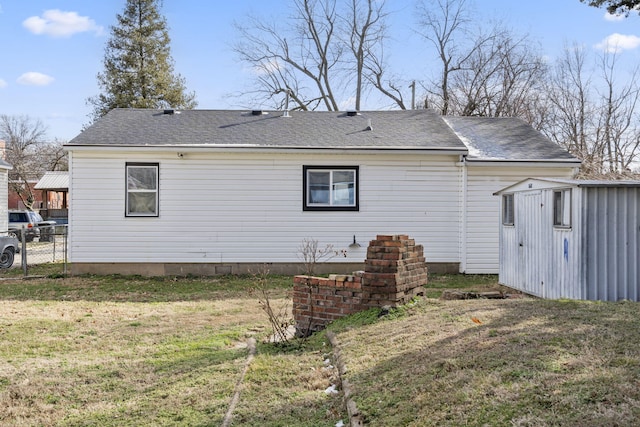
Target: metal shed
(576, 239)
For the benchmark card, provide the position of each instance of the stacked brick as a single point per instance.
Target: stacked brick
(395, 271)
(318, 301)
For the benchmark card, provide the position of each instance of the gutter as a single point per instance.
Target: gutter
(208, 148)
(526, 162)
(463, 214)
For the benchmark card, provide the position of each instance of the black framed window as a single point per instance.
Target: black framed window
(332, 188)
(507, 209)
(142, 189)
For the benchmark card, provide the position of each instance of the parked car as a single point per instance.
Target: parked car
(9, 246)
(31, 223)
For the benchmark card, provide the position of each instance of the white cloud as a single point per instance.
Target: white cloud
(3, 83)
(616, 43)
(347, 104)
(33, 78)
(56, 23)
(266, 68)
(613, 18)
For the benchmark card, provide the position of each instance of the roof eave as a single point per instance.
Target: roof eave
(263, 149)
(526, 162)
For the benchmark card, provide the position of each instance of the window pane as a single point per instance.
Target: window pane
(343, 187)
(142, 203)
(141, 178)
(557, 208)
(566, 207)
(507, 209)
(319, 184)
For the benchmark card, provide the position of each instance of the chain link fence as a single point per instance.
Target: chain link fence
(47, 253)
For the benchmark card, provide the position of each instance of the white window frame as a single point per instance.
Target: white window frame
(331, 205)
(562, 208)
(130, 190)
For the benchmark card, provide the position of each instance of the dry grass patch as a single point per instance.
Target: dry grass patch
(528, 362)
(130, 351)
(84, 363)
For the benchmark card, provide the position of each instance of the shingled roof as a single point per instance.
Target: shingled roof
(481, 139)
(379, 130)
(504, 138)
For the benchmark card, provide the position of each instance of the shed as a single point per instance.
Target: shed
(575, 239)
(224, 191)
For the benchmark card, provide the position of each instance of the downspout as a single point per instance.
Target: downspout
(463, 214)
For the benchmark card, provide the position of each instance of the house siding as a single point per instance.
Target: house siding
(4, 195)
(483, 210)
(247, 208)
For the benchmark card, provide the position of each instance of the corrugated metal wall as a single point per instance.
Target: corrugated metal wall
(612, 243)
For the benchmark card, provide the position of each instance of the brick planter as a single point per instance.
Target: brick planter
(395, 271)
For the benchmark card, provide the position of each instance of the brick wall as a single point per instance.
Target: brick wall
(318, 301)
(395, 271)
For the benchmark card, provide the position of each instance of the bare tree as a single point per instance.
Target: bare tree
(571, 126)
(367, 32)
(445, 24)
(28, 153)
(502, 77)
(301, 65)
(594, 116)
(321, 51)
(482, 72)
(619, 114)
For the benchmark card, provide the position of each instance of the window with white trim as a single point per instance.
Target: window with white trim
(330, 188)
(142, 189)
(507, 209)
(562, 208)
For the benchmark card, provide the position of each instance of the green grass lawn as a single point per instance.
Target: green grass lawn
(134, 351)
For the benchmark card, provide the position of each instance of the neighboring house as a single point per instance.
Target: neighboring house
(571, 239)
(4, 195)
(14, 200)
(54, 188)
(177, 192)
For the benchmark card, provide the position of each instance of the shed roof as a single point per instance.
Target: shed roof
(53, 180)
(505, 138)
(540, 183)
(379, 130)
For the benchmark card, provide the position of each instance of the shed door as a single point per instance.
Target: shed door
(530, 221)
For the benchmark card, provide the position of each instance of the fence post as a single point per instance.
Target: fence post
(23, 255)
(65, 248)
(53, 235)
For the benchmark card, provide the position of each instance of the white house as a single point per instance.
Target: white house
(572, 239)
(205, 192)
(4, 194)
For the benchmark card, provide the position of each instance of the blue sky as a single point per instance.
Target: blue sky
(52, 50)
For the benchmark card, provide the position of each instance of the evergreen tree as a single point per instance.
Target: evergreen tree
(138, 68)
(615, 7)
